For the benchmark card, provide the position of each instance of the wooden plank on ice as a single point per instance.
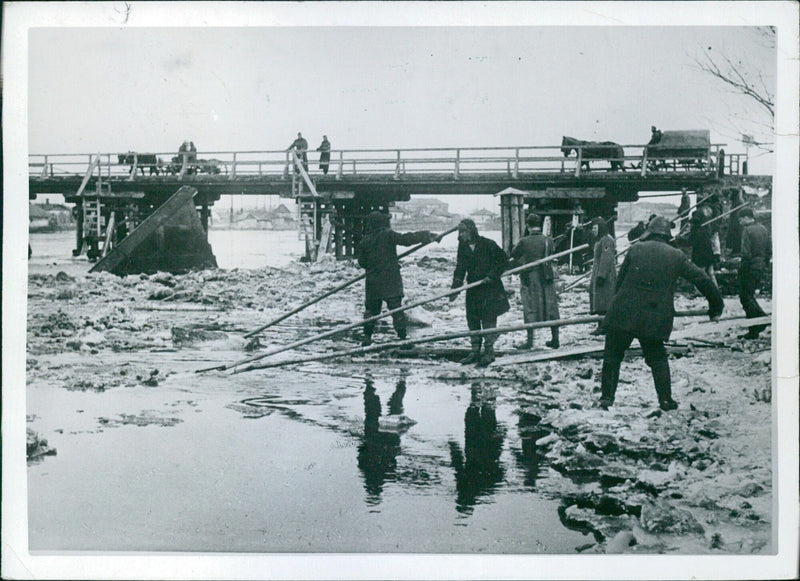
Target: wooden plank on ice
(701, 329)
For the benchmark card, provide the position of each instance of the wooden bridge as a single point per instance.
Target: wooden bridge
(358, 181)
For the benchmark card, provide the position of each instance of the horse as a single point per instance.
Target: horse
(143, 160)
(607, 150)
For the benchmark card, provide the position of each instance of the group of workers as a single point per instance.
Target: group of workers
(637, 301)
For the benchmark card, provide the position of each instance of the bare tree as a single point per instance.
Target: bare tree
(745, 79)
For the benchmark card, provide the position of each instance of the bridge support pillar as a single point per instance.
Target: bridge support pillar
(204, 215)
(512, 219)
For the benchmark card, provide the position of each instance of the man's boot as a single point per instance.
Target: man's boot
(488, 353)
(663, 383)
(527, 344)
(553, 343)
(368, 329)
(608, 382)
(400, 329)
(475, 354)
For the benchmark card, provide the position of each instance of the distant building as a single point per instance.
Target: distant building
(483, 216)
(49, 217)
(422, 214)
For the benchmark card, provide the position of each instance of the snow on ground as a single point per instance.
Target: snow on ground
(696, 480)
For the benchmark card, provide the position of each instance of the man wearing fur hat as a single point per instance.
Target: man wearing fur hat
(480, 258)
(377, 253)
(642, 308)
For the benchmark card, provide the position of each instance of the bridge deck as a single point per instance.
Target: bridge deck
(384, 175)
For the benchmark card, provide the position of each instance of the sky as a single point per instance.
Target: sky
(147, 89)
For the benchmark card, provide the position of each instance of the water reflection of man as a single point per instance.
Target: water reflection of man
(478, 469)
(377, 453)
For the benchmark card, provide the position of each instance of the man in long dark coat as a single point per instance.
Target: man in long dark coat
(377, 253)
(756, 250)
(537, 286)
(325, 154)
(480, 258)
(643, 309)
(604, 271)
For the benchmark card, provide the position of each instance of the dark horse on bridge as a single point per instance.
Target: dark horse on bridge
(141, 161)
(605, 150)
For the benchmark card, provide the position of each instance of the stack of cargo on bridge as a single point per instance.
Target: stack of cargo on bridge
(332, 206)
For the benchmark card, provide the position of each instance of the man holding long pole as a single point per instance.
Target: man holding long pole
(377, 253)
(480, 258)
(643, 308)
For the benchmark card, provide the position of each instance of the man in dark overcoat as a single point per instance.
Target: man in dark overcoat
(377, 253)
(480, 258)
(756, 249)
(325, 154)
(643, 308)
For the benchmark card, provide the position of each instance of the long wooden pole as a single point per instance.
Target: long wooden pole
(678, 217)
(712, 220)
(338, 330)
(342, 286)
(582, 320)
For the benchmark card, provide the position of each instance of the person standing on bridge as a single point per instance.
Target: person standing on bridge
(300, 146)
(325, 154)
(480, 258)
(377, 253)
(537, 287)
(643, 308)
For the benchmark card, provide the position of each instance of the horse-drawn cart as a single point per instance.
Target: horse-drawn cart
(681, 149)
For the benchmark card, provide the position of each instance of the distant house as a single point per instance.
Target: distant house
(50, 217)
(39, 219)
(282, 218)
(248, 221)
(422, 206)
(482, 216)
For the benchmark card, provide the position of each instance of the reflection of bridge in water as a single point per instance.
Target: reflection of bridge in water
(359, 181)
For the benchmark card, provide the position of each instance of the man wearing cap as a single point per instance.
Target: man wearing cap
(480, 258)
(537, 287)
(643, 309)
(756, 250)
(377, 253)
(300, 146)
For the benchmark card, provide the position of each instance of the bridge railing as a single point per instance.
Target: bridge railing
(514, 161)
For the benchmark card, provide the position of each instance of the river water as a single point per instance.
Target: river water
(286, 460)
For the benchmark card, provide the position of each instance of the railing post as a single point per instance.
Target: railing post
(233, 169)
(580, 160)
(185, 156)
(286, 167)
(44, 167)
(644, 162)
(396, 166)
(341, 166)
(516, 163)
(135, 166)
(457, 171)
(354, 167)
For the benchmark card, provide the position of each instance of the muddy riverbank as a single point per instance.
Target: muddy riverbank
(511, 459)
